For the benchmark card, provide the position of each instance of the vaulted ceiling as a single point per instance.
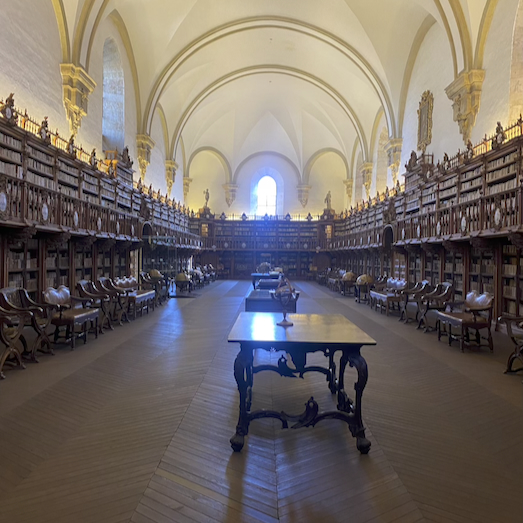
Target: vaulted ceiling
(290, 76)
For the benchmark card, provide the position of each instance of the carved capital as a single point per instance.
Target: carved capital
(186, 185)
(349, 186)
(465, 93)
(144, 146)
(393, 150)
(303, 193)
(77, 85)
(230, 192)
(170, 174)
(366, 176)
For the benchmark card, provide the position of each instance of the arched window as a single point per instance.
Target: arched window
(266, 196)
(113, 123)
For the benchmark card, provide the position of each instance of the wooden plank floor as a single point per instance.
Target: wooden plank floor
(135, 427)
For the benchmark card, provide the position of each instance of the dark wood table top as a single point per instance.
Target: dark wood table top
(317, 329)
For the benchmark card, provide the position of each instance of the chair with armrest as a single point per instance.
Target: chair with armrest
(138, 297)
(389, 295)
(515, 333)
(119, 297)
(475, 313)
(11, 327)
(100, 300)
(72, 312)
(429, 305)
(409, 303)
(37, 317)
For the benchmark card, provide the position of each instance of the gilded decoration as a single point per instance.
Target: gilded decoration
(144, 146)
(426, 106)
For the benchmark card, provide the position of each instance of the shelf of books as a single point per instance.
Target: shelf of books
(432, 268)
(57, 266)
(83, 263)
(23, 266)
(414, 275)
(482, 270)
(40, 166)
(511, 276)
(399, 271)
(453, 272)
(67, 175)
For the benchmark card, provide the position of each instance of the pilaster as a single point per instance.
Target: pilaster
(77, 85)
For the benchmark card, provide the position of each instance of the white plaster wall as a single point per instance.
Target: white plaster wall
(177, 190)
(250, 169)
(327, 174)
(433, 71)
(494, 105)
(90, 134)
(30, 54)
(206, 172)
(156, 170)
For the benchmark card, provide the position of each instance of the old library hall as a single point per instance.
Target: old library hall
(261, 261)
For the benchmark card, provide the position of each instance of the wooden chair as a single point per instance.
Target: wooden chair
(120, 299)
(513, 323)
(11, 327)
(475, 313)
(389, 296)
(100, 300)
(72, 312)
(138, 297)
(409, 304)
(429, 304)
(37, 316)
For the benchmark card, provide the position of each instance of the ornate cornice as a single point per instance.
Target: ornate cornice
(170, 174)
(144, 146)
(349, 186)
(77, 85)
(465, 93)
(366, 176)
(393, 150)
(186, 185)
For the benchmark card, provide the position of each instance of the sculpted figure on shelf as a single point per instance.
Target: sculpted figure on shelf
(206, 194)
(413, 161)
(499, 137)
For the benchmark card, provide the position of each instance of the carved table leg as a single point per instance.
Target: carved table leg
(243, 377)
(345, 404)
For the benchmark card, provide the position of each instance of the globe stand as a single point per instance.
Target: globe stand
(284, 298)
(285, 322)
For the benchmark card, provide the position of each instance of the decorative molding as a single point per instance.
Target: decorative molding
(465, 93)
(349, 187)
(58, 241)
(366, 176)
(85, 241)
(8, 110)
(21, 235)
(230, 192)
(186, 186)
(170, 174)
(393, 150)
(426, 107)
(303, 193)
(481, 244)
(144, 146)
(454, 247)
(77, 85)
(516, 238)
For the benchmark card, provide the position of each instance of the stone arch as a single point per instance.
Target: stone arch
(63, 30)
(264, 153)
(318, 154)
(263, 70)
(224, 162)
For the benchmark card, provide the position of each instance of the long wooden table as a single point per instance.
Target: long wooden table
(310, 333)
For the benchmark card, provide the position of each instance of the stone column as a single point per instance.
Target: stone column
(144, 146)
(77, 85)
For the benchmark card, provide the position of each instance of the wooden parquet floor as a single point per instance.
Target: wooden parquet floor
(135, 427)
